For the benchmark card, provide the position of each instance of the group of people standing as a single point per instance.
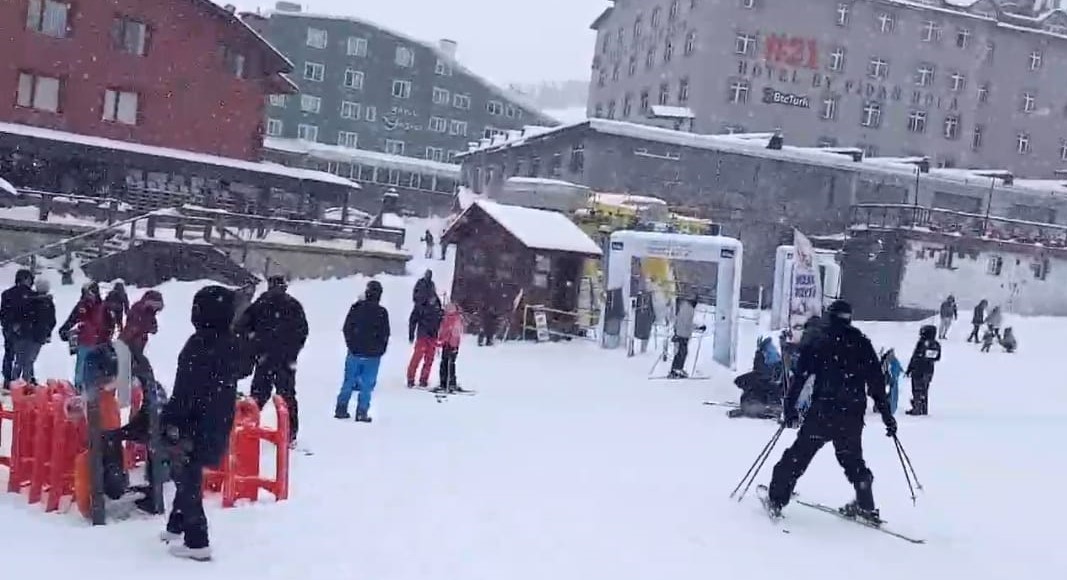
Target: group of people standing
(991, 319)
(432, 326)
(28, 317)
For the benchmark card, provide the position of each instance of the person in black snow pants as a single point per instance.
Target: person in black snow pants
(198, 417)
(846, 371)
(276, 329)
(118, 304)
(14, 319)
(921, 369)
(977, 320)
(683, 332)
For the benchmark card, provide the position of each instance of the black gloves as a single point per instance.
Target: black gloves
(790, 419)
(890, 424)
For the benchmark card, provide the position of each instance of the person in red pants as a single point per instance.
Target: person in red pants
(423, 325)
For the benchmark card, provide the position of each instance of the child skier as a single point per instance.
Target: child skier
(987, 339)
(425, 323)
(921, 369)
(449, 337)
(892, 369)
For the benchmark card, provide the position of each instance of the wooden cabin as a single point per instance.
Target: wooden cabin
(509, 256)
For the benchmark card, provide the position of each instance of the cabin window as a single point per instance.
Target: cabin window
(996, 266)
(542, 263)
(1040, 268)
(540, 280)
(944, 258)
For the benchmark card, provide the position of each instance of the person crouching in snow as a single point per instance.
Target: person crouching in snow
(366, 332)
(199, 416)
(450, 336)
(892, 369)
(921, 369)
(1008, 341)
(425, 322)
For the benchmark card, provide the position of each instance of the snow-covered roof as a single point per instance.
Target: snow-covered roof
(543, 181)
(190, 156)
(7, 188)
(668, 112)
(503, 93)
(350, 155)
(537, 229)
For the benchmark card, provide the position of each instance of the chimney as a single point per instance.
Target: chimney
(448, 47)
(283, 6)
(230, 8)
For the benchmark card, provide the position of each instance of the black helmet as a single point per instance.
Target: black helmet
(928, 332)
(840, 310)
(374, 291)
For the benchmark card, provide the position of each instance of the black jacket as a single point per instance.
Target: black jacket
(366, 329)
(275, 326)
(202, 402)
(15, 311)
(42, 311)
(979, 315)
(118, 304)
(425, 320)
(846, 371)
(424, 290)
(927, 352)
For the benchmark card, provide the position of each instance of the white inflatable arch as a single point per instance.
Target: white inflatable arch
(785, 257)
(726, 252)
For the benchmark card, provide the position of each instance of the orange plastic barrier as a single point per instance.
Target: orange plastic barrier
(23, 423)
(239, 475)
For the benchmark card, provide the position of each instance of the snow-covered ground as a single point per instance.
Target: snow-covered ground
(570, 463)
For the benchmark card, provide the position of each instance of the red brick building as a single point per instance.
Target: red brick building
(182, 74)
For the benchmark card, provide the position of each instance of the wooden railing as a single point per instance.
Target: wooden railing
(884, 216)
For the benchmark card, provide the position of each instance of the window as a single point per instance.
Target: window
(639, 26)
(577, 162)
(615, 72)
(650, 59)
(353, 79)
(356, 46)
(983, 92)
(871, 115)
(349, 110)
(1022, 143)
(370, 113)
(656, 16)
(951, 127)
(996, 266)
(748, 4)
(41, 93)
(878, 68)
(1035, 60)
(440, 96)
(307, 132)
(316, 38)
(494, 108)
(347, 139)
(461, 101)
(931, 31)
(48, 17)
(314, 71)
(443, 68)
(438, 124)
(457, 127)
(963, 37)
(738, 91)
(745, 44)
(598, 111)
(957, 81)
(611, 109)
(394, 147)
(509, 111)
(232, 60)
(404, 56)
(664, 94)
(120, 106)
(828, 112)
(1063, 149)
(672, 13)
(627, 105)
(683, 91)
(435, 153)
(917, 121)
(1040, 268)
(690, 42)
(837, 59)
(924, 75)
(274, 127)
(310, 103)
(842, 14)
(1028, 103)
(976, 137)
(129, 35)
(633, 65)
(401, 89)
(489, 132)
(602, 77)
(277, 100)
(668, 50)
(885, 22)
(644, 101)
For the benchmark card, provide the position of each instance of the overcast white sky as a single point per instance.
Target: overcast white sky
(504, 40)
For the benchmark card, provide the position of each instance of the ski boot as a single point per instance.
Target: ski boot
(862, 508)
(341, 413)
(424, 384)
(362, 417)
(411, 384)
(678, 374)
(196, 554)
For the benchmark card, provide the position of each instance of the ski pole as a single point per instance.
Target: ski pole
(754, 469)
(904, 455)
(696, 356)
(907, 476)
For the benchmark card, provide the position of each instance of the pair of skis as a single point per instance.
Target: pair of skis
(761, 493)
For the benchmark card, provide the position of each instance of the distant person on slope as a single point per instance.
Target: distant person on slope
(977, 320)
(42, 321)
(450, 337)
(118, 303)
(424, 322)
(276, 327)
(892, 369)
(366, 332)
(921, 369)
(846, 371)
(683, 332)
(14, 312)
(995, 320)
(949, 313)
(427, 238)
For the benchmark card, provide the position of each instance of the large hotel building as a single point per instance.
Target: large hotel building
(968, 83)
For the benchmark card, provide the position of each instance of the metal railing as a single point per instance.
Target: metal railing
(883, 216)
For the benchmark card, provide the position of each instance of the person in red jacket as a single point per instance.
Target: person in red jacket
(88, 327)
(140, 322)
(449, 337)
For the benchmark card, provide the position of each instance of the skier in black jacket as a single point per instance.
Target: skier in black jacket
(199, 416)
(276, 328)
(366, 332)
(846, 371)
(921, 369)
(14, 319)
(41, 323)
(977, 320)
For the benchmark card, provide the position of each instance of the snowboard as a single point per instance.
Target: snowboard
(153, 401)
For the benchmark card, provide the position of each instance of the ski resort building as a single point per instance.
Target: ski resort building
(967, 83)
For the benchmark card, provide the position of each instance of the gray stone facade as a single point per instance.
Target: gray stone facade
(367, 87)
(757, 194)
(976, 86)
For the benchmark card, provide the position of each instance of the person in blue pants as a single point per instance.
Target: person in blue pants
(366, 332)
(892, 369)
